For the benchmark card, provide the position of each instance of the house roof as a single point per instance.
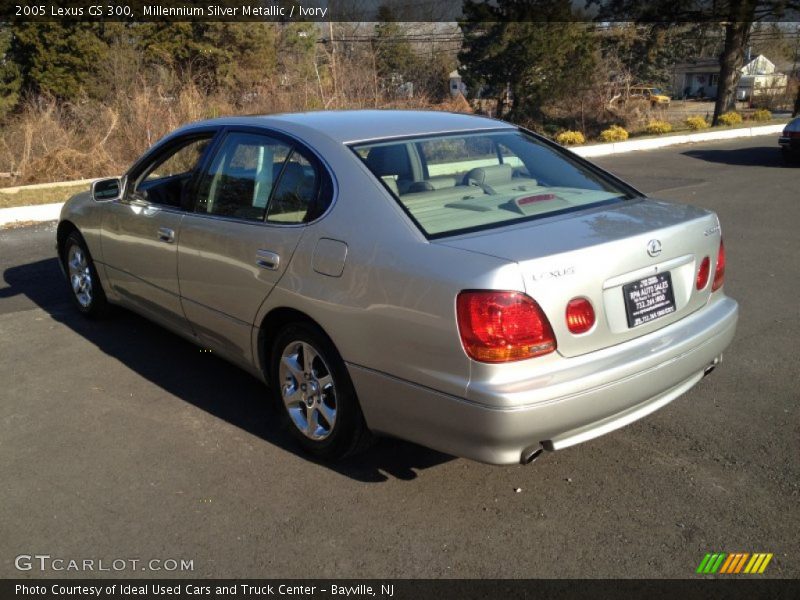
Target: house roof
(699, 65)
(759, 65)
(756, 66)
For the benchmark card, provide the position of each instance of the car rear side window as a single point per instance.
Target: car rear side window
(241, 177)
(295, 193)
(455, 183)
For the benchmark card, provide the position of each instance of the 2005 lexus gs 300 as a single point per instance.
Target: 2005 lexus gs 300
(451, 280)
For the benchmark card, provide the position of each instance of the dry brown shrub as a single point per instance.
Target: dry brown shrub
(48, 142)
(51, 141)
(457, 104)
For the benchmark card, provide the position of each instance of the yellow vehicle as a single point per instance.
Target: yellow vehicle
(654, 95)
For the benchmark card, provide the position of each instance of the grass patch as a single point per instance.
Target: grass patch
(28, 197)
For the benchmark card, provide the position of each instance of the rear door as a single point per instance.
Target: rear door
(256, 193)
(140, 230)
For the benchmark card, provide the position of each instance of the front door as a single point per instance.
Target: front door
(140, 232)
(253, 199)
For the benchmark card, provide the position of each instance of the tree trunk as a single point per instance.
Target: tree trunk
(796, 110)
(731, 60)
(500, 107)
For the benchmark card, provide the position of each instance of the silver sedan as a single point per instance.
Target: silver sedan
(451, 280)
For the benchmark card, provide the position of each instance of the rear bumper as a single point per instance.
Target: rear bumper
(584, 397)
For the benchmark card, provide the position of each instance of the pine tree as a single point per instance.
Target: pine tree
(216, 54)
(393, 54)
(527, 54)
(58, 59)
(10, 77)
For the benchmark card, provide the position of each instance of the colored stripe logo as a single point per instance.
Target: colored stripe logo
(732, 564)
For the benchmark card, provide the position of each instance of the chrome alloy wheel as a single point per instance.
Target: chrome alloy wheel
(308, 391)
(80, 275)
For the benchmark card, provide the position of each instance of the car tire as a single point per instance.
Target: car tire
(83, 282)
(315, 395)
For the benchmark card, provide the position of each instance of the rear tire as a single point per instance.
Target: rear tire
(314, 393)
(83, 282)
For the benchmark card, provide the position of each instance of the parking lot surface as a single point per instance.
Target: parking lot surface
(120, 440)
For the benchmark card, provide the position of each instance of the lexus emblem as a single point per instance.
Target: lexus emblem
(654, 247)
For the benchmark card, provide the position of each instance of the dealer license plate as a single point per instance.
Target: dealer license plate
(648, 299)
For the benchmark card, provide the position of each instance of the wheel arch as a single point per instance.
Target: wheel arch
(271, 324)
(62, 233)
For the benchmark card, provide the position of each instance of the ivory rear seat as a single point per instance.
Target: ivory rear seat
(499, 179)
(435, 193)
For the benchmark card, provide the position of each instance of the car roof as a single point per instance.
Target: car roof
(348, 126)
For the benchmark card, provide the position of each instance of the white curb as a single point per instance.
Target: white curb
(37, 212)
(51, 212)
(673, 140)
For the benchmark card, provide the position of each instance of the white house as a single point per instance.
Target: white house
(759, 78)
(699, 78)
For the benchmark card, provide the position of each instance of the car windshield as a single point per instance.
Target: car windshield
(463, 182)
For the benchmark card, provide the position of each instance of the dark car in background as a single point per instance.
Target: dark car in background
(790, 141)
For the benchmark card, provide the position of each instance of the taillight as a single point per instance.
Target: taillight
(719, 272)
(703, 273)
(791, 134)
(502, 326)
(580, 315)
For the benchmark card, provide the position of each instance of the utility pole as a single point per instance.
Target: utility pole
(333, 57)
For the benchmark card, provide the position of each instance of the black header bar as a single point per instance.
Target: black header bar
(399, 10)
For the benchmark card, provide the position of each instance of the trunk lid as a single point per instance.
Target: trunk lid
(596, 254)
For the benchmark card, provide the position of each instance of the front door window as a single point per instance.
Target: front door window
(164, 180)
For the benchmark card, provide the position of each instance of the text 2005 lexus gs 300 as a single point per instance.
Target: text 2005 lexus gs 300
(451, 280)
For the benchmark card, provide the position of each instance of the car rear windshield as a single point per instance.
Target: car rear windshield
(463, 182)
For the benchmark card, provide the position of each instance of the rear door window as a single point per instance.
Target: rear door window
(240, 179)
(295, 193)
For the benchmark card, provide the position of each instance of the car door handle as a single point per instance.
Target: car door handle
(165, 234)
(268, 260)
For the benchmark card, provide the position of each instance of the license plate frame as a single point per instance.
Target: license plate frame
(648, 299)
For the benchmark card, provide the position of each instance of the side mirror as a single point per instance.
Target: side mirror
(106, 189)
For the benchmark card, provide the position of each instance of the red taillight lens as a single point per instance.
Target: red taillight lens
(719, 272)
(580, 315)
(502, 326)
(702, 273)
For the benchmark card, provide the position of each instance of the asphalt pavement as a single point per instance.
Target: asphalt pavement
(119, 440)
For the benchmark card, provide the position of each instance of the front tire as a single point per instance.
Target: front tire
(314, 393)
(84, 284)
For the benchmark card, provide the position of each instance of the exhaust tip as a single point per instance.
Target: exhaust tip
(711, 366)
(531, 454)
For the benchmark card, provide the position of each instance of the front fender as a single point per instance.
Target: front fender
(85, 214)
